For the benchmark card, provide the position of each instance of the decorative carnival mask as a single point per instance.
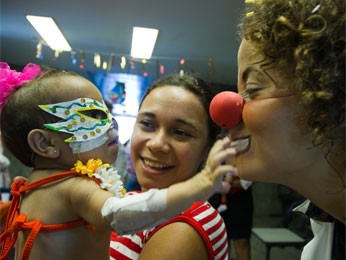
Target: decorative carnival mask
(88, 121)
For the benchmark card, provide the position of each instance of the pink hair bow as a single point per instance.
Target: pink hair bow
(11, 79)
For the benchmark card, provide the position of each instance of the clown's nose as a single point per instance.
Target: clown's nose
(226, 109)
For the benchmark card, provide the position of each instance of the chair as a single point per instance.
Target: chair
(277, 237)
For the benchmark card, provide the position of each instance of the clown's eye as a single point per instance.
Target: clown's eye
(95, 113)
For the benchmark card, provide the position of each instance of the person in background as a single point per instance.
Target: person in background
(58, 123)
(122, 158)
(237, 212)
(291, 73)
(236, 208)
(4, 187)
(171, 138)
(5, 179)
(131, 183)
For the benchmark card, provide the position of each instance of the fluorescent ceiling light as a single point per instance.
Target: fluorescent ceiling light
(50, 32)
(143, 42)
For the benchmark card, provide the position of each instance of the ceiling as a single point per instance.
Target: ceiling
(202, 32)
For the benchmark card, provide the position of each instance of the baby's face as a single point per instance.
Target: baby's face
(91, 129)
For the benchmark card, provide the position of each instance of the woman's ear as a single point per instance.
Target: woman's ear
(40, 141)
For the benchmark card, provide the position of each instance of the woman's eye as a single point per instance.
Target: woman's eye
(182, 133)
(146, 124)
(250, 93)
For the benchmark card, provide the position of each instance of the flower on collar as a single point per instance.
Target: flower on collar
(110, 180)
(109, 177)
(90, 168)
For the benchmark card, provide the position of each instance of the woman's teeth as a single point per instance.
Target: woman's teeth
(241, 145)
(155, 164)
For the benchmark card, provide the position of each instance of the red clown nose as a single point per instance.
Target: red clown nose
(226, 109)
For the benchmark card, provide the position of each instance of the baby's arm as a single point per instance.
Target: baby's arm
(140, 211)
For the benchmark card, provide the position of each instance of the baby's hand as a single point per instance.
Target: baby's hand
(155, 206)
(216, 167)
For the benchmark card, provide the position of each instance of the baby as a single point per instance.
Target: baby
(57, 123)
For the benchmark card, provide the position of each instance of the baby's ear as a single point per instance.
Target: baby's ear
(40, 141)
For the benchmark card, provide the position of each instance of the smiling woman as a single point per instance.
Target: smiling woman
(162, 139)
(171, 139)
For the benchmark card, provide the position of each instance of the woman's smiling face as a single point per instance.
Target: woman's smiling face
(170, 135)
(277, 146)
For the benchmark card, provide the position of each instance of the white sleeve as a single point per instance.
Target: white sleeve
(134, 213)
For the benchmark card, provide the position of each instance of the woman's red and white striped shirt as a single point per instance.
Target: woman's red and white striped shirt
(201, 216)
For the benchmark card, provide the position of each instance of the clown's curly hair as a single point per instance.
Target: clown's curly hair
(310, 37)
